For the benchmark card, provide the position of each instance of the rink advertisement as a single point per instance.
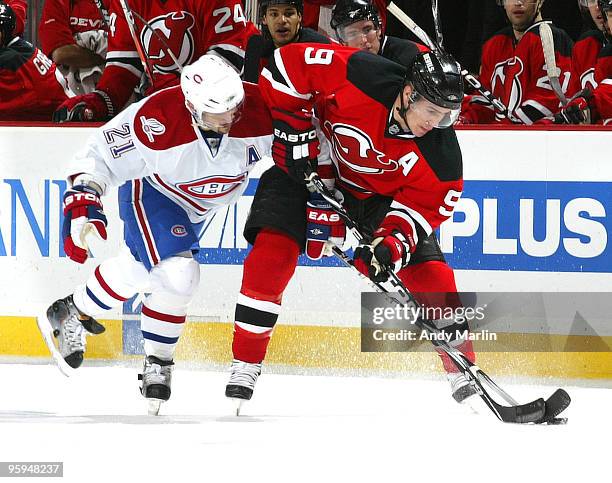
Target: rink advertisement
(533, 217)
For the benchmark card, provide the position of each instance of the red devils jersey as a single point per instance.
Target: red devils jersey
(369, 152)
(515, 73)
(584, 58)
(61, 19)
(603, 92)
(30, 86)
(188, 27)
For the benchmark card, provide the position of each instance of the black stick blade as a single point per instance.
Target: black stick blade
(532, 412)
(555, 405)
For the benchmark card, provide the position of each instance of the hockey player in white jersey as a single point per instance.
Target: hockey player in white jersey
(178, 156)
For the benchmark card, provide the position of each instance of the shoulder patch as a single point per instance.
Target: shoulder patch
(401, 51)
(384, 85)
(563, 42)
(255, 120)
(440, 148)
(163, 122)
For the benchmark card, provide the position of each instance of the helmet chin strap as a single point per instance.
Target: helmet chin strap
(403, 109)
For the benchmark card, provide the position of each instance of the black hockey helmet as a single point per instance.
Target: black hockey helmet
(264, 4)
(346, 12)
(604, 6)
(436, 76)
(8, 20)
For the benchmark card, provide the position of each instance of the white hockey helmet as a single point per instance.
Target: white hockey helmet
(213, 92)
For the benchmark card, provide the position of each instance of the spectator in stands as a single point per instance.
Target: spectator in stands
(20, 7)
(30, 86)
(512, 68)
(73, 33)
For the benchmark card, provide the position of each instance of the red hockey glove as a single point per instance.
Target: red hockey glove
(388, 252)
(324, 227)
(577, 110)
(295, 145)
(95, 106)
(82, 213)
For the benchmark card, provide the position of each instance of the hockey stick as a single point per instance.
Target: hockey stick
(538, 411)
(436, 18)
(129, 18)
(103, 12)
(469, 78)
(550, 63)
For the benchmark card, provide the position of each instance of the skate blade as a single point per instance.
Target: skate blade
(153, 406)
(237, 403)
(44, 326)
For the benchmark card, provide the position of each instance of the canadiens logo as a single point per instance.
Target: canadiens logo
(152, 127)
(179, 230)
(175, 30)
(212, 186)
(354, 149)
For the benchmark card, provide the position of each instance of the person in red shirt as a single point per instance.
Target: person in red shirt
(602, 96)
(593, 104)
(31, 88)
(73, 33)
(513, 69)
(189, 28)
(587, 48)
(398, 176)
(357, 24)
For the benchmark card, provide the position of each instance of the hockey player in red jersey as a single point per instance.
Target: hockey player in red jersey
(31, 88)
(602, 96)
(593, 103)
(399, 177)
(512, 68)
(281, 24)
(358, 24)
(178, 157)
(189, 28)
(74, 34)
(587, 48)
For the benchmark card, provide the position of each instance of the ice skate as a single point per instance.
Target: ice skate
(461, 388)
(65, 324)
(156, 379)
(242, 382)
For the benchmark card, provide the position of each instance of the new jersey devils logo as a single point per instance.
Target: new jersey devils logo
(507, 73)
(212, 186)
(175, 29)
(355, 149)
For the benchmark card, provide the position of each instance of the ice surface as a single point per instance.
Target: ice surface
(296, 429)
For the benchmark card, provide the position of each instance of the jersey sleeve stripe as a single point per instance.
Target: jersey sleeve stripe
(416, 216)
(137, 70)
(277, 76)
(407, 219)
(531, 111)
(231, 53)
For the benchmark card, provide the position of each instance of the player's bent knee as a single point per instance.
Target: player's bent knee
(177, 277)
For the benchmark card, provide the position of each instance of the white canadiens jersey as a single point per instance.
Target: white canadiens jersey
(155, 140)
